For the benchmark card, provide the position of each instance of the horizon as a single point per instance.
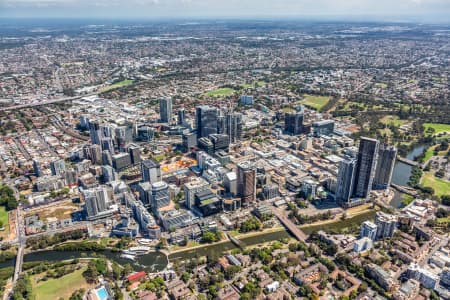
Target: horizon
(401, 11)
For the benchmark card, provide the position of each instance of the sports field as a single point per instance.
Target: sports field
(315, 102)
(441, 187)
(438, 128)
(61, 288)
(220, 92)
(116, 85)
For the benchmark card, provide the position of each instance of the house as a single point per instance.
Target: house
(135, 277)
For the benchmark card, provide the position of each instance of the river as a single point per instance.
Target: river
(402, 171)
(157, 261)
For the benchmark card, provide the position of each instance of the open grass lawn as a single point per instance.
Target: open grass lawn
(394, 120)
(220, 92)
(59, 288)
(350, 105)
(438, 128)
(116, 85)
(5, 221)
(440, 186)
(253, 84)
(315, 102)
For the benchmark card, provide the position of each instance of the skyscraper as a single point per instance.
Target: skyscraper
(385, 167)
(37, 168)
(159, 195)
(365, 168)
(345, 180)
(234, 126)
(151, 171)
(94, 132)
(58, 167)
(293, 122)
(135, 153)
(206, 120)
(246, 182)
(181, 116)
(96, 201)
(165, 109)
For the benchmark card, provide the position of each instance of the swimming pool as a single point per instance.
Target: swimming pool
(102, 294)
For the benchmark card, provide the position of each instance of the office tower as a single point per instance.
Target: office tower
(365, 167)
(246, 100)
(385, 167)
(58, 167)
(293, 122)
(145, 134)
(270, 191)
(70, 176)
(189, 141)
(230, 183)
(345, 181)
(96, 201)
(181, 116)
(206, 145)
(108, 174)
(165, 109)
(368, 229)
(159, 195)
(121, 161)
(95, 154)
(246, 182)
(106, 158)
(386, 225)
(206, 120)
(191, 188)
(325, 127)
(221, 123)
(135, 154)
(107, 144)
(151, 171)
(220, 142)
(84, 122)
(37, 168)
(94, 132)
(123, 136)
(234, 126)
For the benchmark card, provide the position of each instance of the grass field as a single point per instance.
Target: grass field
(394, 120)
(438, 128)
(315, 102)
(4, 220)
(220, 92)
(59, 288)
(116, 85)
(253, 84)
(441, 187)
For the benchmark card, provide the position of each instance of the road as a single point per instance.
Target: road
(297, 232)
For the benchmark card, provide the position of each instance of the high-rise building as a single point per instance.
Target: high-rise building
(58, 167)
(221, 123)
(165, 109)
(365, 167)
(94, 132)
(293, 122)
(345, 180)
(246, 100)
(230, 183)
(369, 229)
(37, 168)
(386, 225)
(246, 182)
(324, 127)
(95, 154)
(159, 195)
(121, 161)
(107, 144)
(181, 116)
(106, 158)
(206, 145)
(189, 141)
(191, 188)
(108, 174)
(96, 201)
(385, 167)
(135, 154)
(151, 171)
(220, 142)
(234, 126)
(206, 120)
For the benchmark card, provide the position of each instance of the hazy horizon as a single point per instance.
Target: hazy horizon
(428, 11)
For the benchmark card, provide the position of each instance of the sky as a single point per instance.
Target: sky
(382, 10)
